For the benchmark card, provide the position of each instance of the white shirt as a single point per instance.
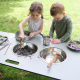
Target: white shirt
(34, 26)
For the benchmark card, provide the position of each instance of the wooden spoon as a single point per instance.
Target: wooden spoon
(4, 46)
(52, 60)
(7, 48)
(20, 44)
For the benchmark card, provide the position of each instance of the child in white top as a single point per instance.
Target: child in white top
(35, 22)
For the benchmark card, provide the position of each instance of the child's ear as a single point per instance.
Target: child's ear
(63, 13)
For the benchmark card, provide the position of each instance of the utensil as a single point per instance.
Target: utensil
(59, 58)
(7, 48)
(4, 46)
(52, 60)
(46, 40)
(20, 44)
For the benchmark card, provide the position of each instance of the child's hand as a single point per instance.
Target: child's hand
(55, 41)
(21, 36)
(31, 35)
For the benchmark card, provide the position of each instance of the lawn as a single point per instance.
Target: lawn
(12, 12)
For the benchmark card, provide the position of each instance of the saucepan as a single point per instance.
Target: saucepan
(26, 34)
(46, 40)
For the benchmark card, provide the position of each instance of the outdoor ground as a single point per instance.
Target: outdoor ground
(12, 12)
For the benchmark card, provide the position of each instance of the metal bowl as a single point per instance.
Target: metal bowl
(48, 54)
(27, 49)
(26, 34)
(73, 45)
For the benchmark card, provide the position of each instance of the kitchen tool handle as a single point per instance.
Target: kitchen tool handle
(4, 46)
(4, 39)
(41, 34)
(7, 48)
(52, 61)
(20, 44)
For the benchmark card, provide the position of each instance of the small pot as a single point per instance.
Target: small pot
(46, 40)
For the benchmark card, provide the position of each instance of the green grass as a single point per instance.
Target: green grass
(12, 12)
(12, 62)
(0, 36)
(10, 73)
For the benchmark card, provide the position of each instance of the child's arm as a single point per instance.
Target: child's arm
(69, 30)
(51, 29)
(37, 32)
(21, 25)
